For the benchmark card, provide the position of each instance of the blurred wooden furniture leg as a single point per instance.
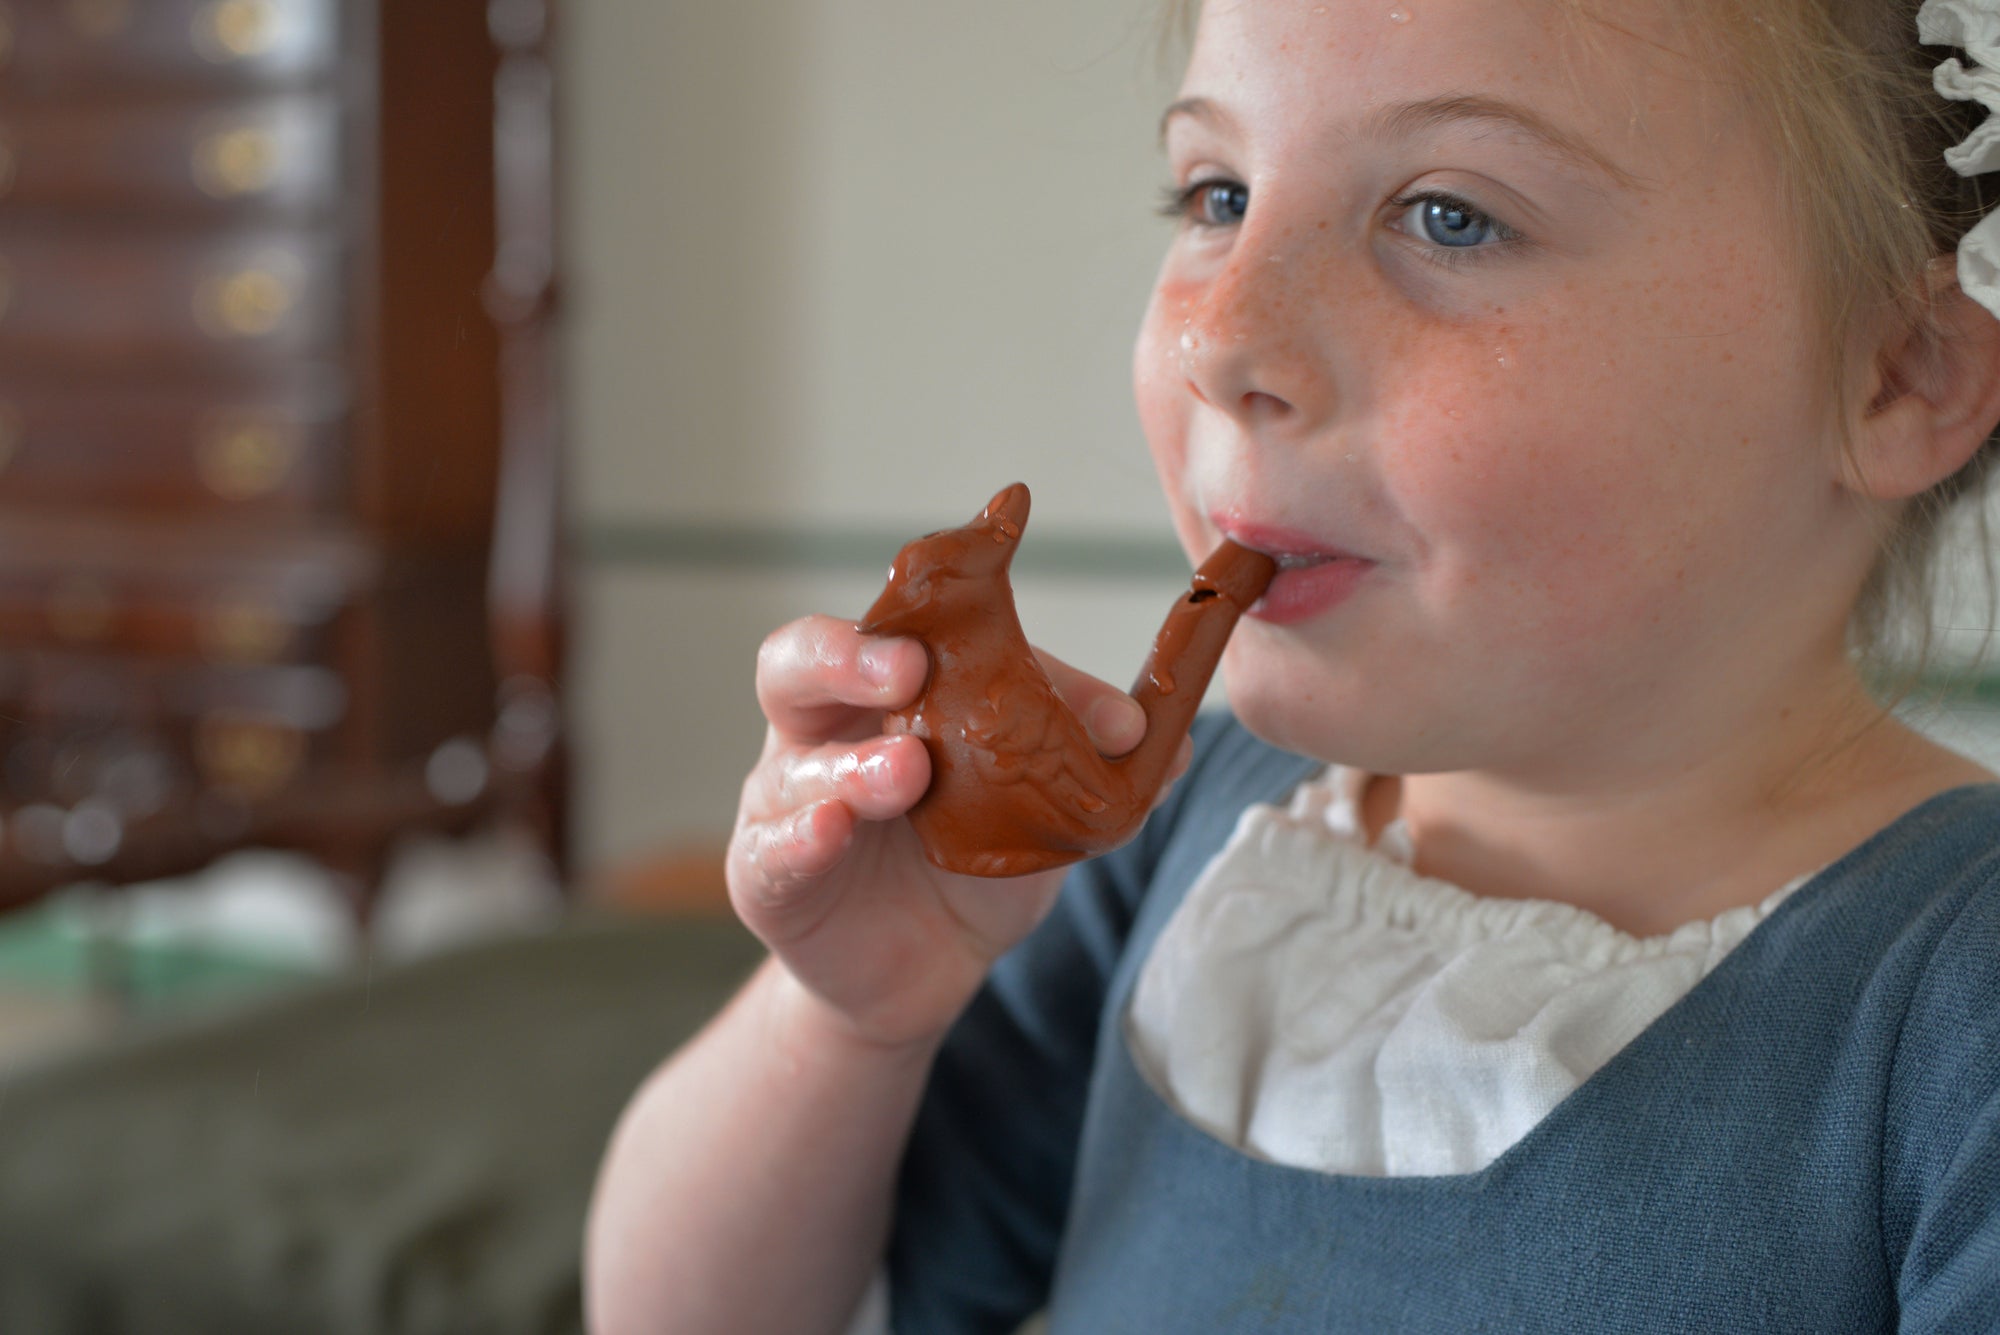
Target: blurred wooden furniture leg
(526, 587)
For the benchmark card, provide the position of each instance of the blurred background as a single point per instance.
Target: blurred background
(412, 421)
(412, 418)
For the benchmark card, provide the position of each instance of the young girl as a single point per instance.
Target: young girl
(1559, 937)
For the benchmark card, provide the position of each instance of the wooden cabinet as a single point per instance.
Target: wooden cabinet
(251, 416)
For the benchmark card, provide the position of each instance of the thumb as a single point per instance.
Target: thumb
(1112, 718)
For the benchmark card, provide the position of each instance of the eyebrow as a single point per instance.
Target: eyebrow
(1410, 118)
(1415, 117)
(1196, 108)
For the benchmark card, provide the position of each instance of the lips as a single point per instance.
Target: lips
(1314, 577)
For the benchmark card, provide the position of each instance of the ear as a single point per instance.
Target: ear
(1933, 400)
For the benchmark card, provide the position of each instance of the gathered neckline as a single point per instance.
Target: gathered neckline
(1380, 887)
(1404, 899)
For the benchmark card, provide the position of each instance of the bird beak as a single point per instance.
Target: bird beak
(1009, 509)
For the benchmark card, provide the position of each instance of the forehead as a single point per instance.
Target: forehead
(1634, 77)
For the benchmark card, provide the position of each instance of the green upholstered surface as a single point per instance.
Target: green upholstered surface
(407, 1150)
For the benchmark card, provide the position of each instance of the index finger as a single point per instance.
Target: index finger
(820, 679)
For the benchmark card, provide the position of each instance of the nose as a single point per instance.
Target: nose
(1257, 343)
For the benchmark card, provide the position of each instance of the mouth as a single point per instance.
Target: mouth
(1301, 560)
(1292, 550)
(1313, 576)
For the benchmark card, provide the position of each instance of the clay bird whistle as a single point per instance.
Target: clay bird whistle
(1016, 785)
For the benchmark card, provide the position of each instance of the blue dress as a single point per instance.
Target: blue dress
(1809, 1141)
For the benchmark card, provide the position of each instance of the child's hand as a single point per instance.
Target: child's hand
(825, 871)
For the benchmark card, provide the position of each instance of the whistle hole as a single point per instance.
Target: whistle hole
(1203, 595)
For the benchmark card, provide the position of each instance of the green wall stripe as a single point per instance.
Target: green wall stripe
(769, 547)
(1976, 686)
(766, 548)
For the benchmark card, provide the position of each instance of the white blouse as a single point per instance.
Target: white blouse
(1316, 1002)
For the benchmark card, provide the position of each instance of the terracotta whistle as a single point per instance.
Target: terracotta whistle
(1016, 785)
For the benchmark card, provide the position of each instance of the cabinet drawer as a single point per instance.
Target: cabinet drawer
(91, 299)
(241, 621)
(271, 155)
(87, 728)
(162, 591)
(64, 47)
(102, 446)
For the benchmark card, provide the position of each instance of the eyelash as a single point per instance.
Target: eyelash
(1505, 237)
(1177, 203)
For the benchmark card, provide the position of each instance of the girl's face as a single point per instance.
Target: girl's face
(1490, 322)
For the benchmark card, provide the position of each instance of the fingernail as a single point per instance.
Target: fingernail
(800, 830)
(1115, 721)
(878, 662)
(875, 771)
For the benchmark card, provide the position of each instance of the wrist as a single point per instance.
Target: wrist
(804, 1027)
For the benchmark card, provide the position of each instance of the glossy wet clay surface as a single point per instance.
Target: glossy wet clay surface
(1016, 785)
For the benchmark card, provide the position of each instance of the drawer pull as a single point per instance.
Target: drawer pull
(230, 163)
(254, 755)
(234, 30)
(99, 20)
(241, 458)
(457, 771)
(82, 609)
(244, 632)
(92, 833)
(250, 303)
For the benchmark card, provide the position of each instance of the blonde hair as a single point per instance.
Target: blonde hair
(1861, 131)
(1846, 89)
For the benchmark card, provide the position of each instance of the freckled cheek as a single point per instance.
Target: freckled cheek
(1714, 346)
(1468, 426)
(1515, 448)
(1597, 480)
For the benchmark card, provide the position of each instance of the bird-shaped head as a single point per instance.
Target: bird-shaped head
(955, 571)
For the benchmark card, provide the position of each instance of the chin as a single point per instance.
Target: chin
(1270, 721)
(1297, 702)
(1277, 702)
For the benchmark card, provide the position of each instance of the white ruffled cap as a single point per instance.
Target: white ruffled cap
(1979, 263)
(1980, 153)
(1974, 27)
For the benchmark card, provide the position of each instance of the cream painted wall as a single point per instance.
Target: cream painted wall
(844, 262)
(811, 243)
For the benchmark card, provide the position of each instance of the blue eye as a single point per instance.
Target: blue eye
(1448, 221)
(1208, 203)
(1222, 203)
